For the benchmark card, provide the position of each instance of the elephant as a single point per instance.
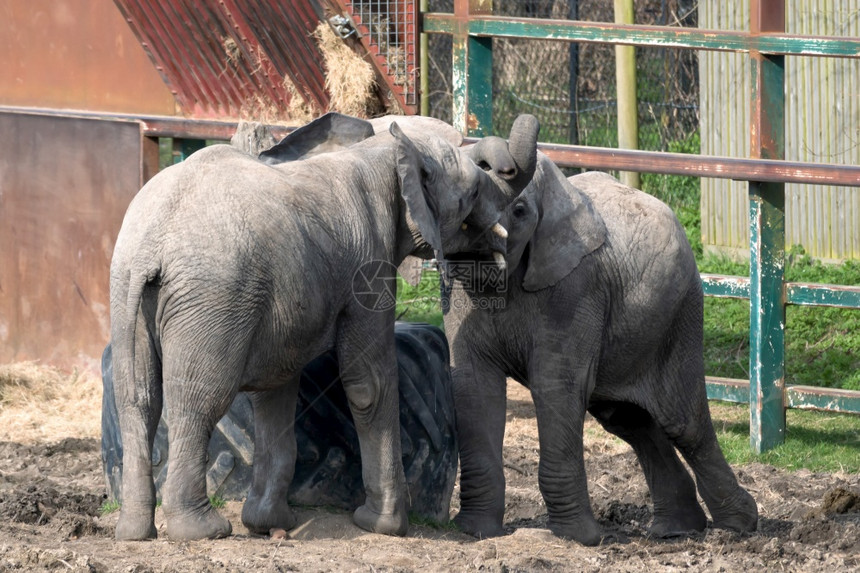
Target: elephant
(231, 272)
(600, 311)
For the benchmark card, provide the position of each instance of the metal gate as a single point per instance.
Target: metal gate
(473, 27)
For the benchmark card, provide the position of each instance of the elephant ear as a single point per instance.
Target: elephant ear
(410, 165)
(569, 229)
(328, 133)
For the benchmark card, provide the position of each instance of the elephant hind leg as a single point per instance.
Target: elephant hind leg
(368, 370)
(198, 392)
(731, 506)
(274, 459)
(684, 415)
(138, 404)
(676, 509)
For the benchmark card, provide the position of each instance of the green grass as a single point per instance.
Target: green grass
(415, 519)
(109, 506)
(822, 344)
(817, 441)
(420, 303)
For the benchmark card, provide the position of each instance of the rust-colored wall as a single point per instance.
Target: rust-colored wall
(65, 185)
(76, 54)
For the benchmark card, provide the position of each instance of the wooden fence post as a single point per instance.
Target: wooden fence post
(625, 82)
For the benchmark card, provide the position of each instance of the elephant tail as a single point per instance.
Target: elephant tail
(138, 279)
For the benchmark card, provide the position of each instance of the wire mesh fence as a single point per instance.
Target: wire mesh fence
(570, 87)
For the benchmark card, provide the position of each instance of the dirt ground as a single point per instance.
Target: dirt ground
(51, 492)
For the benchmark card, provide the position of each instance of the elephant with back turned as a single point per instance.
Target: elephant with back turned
(601, 312)
(231, 274)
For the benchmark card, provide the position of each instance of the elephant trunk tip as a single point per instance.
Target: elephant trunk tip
(523, 145)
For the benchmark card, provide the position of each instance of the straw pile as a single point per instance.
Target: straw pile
(43, 404)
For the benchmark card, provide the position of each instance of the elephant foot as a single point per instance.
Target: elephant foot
(135, 526)
(679, 522)
(260, 517)
(740, 515)
(584, 530)
(480, 526)
(189, 525)
(388, 524)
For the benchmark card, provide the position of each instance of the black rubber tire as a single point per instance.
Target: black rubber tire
(328, 465)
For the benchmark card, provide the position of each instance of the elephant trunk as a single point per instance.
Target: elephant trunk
(523, 147)
(511, 163)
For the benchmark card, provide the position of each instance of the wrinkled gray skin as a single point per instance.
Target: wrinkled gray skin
(601, 312)
(229, 274)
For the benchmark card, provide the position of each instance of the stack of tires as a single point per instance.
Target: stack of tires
(328, 467)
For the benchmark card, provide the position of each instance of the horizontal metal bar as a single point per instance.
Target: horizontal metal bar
(801, 294)
(826, 399)
(563, 155)
(728, 389)
(809, 294)
(154, 125)
(636, 35)
(764, 170)
(726, 286)
(798, 397)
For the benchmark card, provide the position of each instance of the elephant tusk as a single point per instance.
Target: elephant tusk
(500, 260)
(500, 231)
(464, 226)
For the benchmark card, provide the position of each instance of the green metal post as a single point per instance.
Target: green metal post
(182, 148)
(767, 238)
(424, 67)
(472, 72)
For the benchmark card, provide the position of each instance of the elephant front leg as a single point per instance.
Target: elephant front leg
(480, 402)
(368, 369)
(274, 459)
(560, 412)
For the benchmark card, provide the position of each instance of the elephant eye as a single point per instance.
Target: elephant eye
(519, 210)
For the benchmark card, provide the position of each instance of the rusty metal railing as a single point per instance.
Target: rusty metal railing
(473, 26)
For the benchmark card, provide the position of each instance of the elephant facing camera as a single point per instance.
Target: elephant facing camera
(603, 314)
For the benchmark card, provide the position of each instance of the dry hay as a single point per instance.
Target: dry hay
(43, 404)
(299, 109)
(349, 78)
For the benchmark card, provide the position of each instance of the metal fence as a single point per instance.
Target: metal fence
(473, 29)
(572, 91)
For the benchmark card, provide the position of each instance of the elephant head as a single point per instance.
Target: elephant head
(552, 225)
(423, 142)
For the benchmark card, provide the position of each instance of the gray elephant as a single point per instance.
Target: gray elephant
(601, 311)
(231, 274)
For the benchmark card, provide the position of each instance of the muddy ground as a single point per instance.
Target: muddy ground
(51, 493)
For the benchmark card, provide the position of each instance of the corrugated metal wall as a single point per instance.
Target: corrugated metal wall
(822, 125)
